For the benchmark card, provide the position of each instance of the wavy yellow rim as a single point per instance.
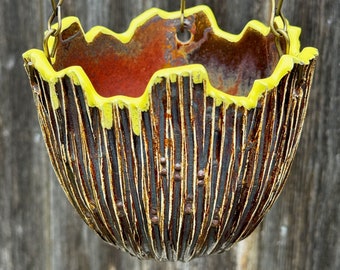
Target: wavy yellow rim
(198, 73)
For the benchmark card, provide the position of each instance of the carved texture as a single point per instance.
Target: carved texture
(198, 178)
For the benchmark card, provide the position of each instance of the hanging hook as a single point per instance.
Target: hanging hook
(279, 32)
(182, 14)
(53, 32)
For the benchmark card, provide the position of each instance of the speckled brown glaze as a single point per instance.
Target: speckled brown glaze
(232, 67)
(200, 176)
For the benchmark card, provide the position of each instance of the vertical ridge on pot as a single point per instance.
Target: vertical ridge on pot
(199, 176)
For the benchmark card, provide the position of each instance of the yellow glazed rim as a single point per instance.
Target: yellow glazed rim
(197, 72)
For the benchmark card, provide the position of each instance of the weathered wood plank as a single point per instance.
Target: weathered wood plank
(39, 228)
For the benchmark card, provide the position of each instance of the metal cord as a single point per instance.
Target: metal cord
(182, 14)
(53, 32)
(279, 32)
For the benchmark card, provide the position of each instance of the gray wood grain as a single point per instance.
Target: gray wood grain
(39, 228)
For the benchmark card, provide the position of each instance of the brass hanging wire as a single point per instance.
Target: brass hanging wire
(182, 14)
(53, 32)
(279, 32)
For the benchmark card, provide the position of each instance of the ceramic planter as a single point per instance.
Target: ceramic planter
(171, 149)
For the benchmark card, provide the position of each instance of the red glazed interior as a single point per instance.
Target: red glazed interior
(115, 68)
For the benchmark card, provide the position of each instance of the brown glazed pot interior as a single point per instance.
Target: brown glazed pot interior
(184, 171)
(116, 68)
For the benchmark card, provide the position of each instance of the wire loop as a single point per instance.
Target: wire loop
(279, 32)
(53, 32)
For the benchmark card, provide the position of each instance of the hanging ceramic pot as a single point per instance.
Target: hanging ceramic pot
(171, 149)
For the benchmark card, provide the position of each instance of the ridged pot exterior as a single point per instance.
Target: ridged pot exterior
(199, 177)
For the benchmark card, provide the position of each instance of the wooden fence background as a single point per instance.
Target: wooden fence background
(39, 228)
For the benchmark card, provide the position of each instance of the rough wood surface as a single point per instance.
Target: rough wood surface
(40, 230)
